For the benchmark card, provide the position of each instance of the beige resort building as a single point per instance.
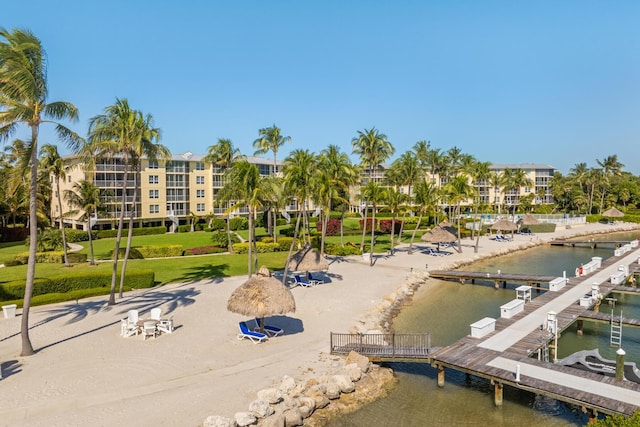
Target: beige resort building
(169, 192)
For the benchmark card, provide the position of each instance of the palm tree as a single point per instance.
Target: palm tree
(377, 194)
(23, 100)
(122, 133)
(374, 149)
(426, 195)
(458, 190)
(270, 139)
(55, 166)
(610, 167)
(85, 197)
(342, 174)
(223, 153)
(243, 185)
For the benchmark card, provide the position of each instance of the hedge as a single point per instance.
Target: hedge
(218, 224)
(333, 227)
(74, 236)
(239, 223)
(143, 231)
(243, 248)
(52, 257)
(348, 249)
(73, 281)
(152, 251)
(202, 250)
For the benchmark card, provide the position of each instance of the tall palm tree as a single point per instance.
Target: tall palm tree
(85, 198)
(610, 167)
(299, 172)
(243, 185)
(270, 139)
(144, 145)
(23, 100)
(458, 190)
(115, 134)
(55, 166)
(342, 174)
(426, 196)
(374, 149)
(377, 194)
(223, 153)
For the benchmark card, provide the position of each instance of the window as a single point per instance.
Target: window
(199, 179)
(199, 166)
(200, 207)
(200, 194)
(153, 179)
(154, 194)
(153, 164)
(154, 209)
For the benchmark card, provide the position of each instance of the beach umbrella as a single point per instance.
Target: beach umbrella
(260, 296)
(613, 213)
(440, 235)
(307, 259)
(445, 225)
(504, 225)
(528, 219)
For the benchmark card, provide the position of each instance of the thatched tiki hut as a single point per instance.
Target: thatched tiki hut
(307, 259)
(260, 296)
(439, 235)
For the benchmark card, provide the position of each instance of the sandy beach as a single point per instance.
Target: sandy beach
(85, 373)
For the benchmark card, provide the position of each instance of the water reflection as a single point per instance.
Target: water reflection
(446, 309)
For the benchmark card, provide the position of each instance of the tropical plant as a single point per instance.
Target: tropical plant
(85, 197)
(52, 163)
(458, 190)
(376, 194)
(23, 101)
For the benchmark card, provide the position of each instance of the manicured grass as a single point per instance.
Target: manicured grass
(9, 249)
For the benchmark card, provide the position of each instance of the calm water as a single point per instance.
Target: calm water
(446, 309)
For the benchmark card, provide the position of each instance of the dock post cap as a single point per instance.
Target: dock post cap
(621, 352)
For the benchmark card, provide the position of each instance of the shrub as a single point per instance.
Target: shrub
(385, 226)
(74, 236)
(333, 227)
(220, 238)
(144, 231)
(338, 250)
(289, 231)
(77, 258)
(53, 257)
(202, 250)
(281, 221)
(239, 223)
(243, 248)
(284, 243)
(369, 224)
(218, 224)
(72, 281)
(151, 251)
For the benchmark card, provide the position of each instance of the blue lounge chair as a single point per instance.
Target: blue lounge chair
(315, 280)
(271, 331)
(304, 283)
(245, 332)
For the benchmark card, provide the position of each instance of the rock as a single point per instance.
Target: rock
(271, 395)
(275, 420)
(332, 391)
(320, 398)
(345, 384)
(261, 408)
(307, 406)
(218, 421)
(353, 371)
(361, 361)
(287, 384)
(292, 417)
(244, 419)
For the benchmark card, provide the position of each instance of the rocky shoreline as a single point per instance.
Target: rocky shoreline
(335, 385)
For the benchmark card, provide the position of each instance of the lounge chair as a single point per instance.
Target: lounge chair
(272, 331)
(315, 280)
(304, 283)
(129, 325)
(149, 329)
(255, 337)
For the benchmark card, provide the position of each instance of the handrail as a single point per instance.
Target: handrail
(382, 345)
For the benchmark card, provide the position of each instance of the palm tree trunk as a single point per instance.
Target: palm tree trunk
(64, 237)
(250, 249)
(229, 242)
(293, 242)
(325, 221)
(130, 231)
(393, 229)
(413, 235)
(27, 348)
(342, 227)
(373, 233)
(364, 226)
(116, 249)
(93, 261)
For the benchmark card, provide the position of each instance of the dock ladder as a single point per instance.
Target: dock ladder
(616, 330)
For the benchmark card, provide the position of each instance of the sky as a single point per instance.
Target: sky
(548, 82)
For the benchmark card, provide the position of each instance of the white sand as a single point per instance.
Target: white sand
(85, 373)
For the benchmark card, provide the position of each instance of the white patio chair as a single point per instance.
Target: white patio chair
(156, 313)
(127, 329)
(149, 329)
(165, 325)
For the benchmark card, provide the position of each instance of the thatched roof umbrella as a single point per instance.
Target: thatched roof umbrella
(613, 213)
(439, 234)
(504, 225)
(307, 259)
(262, 295)
(528, 219)
(445, 225)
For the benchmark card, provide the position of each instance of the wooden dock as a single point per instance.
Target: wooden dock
(535, 281)
(601, 317)
(589, 243)
(516, 351)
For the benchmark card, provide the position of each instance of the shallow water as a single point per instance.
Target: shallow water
(446, 309)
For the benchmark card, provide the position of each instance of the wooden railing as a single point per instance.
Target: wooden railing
(383, 346)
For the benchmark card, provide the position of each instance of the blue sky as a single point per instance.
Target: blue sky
(508, 82)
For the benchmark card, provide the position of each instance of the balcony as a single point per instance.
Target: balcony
(113, 183)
